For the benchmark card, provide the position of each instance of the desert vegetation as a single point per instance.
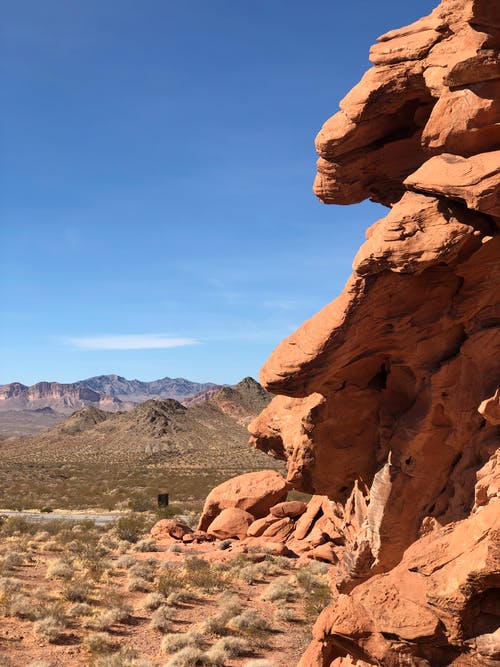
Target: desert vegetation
(77, 594)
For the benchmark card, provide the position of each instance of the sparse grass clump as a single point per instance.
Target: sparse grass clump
(77, 590)
(315, 590)
(146, 545)
(80, 609)
(200, 574)
(131, 527)
(110, 617)
(218, 624)
(142, 571)
(24, 607)
(189, 656)
(287, 614)
(280, 590)
(138, 585)
(162, 618)
(228, 647)
(153, 601)
(317, 600)
(249, 622)
(176, 641)
(170, 581)
(126, 561)
(59, 569)
(49, 628)
(98, 642)
(125, 657)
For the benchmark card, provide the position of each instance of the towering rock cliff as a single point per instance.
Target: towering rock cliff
(387, 401)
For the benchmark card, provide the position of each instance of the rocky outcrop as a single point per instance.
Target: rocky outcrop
(253, 492)
(387, 399)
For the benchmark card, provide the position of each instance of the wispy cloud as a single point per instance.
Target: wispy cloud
(129, 342)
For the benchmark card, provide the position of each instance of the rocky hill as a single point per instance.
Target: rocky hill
(387, 400)
(156, 431)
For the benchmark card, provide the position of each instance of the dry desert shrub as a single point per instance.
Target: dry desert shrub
(189, 656)
(59, 569)
(218, 624)
(131, 527)
(142, 571)
(315, 588)
(10, 560)
(198, 573)
(280, 590)
(138, 585)
(41, 536)
(108, 542)
(77, 590)
(49, 628)
(98, 642)
(176, 598)
(125, 561)
(162, 618)
(125, 657)
(170, 581)
(146, 545)
(109, 617)
(80, 609)
(287, 614)
(249, 622)
(22, 606)
(9, 585)
(226, 648)
(176, 641)
(153, 601)
(15, 525)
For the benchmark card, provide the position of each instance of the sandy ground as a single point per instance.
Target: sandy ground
(282, 642)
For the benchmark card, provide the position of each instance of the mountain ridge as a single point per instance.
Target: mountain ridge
(158, 429)
(112, 393)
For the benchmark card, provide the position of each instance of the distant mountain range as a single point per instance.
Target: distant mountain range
(108, 392)
(210, 433)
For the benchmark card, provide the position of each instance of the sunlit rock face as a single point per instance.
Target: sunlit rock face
(393, 386)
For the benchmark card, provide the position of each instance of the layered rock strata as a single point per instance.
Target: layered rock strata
(387, 399)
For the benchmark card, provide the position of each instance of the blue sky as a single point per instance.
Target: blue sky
(157, 158)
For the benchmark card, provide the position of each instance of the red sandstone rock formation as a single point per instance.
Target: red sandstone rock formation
(387, 399)
(254, 492)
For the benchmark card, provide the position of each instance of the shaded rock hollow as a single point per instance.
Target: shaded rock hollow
(387, 399)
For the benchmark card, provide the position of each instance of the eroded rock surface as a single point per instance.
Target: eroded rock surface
(387, 401)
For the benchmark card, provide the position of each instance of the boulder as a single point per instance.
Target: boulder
(168, 529)
(253, 492)
(280, 530)
(324, 552)
(258, 527)
(304, 524)
(291, 508)
(230, 523)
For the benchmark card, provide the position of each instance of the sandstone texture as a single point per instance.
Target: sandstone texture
(387, 400)
(230, 523)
